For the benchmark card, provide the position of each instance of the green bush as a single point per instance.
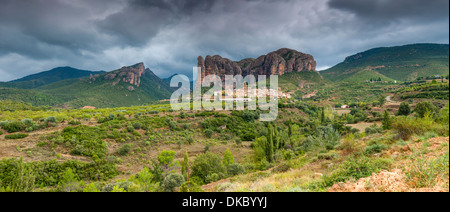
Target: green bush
(208, 133)
(49, 173)
(137, 125)
(404, 110)
(173, 181)
(235, 169)
(14, 126)
(375, 148)
(352, 168)
(16, 136)
(125, 149)
(374, 129)
(190, 187)
(423, 107)
(408, 126)
(207, 164)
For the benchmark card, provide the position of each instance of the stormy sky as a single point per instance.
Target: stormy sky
(169, 35)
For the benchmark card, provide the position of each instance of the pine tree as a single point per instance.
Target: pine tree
(185, 166)
(290, 128)
(322, 116)
(269, 144)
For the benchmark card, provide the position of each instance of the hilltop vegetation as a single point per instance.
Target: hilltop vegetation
(402, 63)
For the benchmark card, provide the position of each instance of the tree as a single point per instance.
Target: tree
(69, 182)
(207, 164)
(422, 108)
(185, 166)
(91, 188)
(269, 146)
(381, 100)
(322, 116)
(404, 110)
(166, 158)
(290, 128)
(228, 158)
(387, 122)
(173, 181)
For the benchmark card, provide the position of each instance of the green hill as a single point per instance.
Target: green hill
(368, 75)
(48, 77)
(295, 80)
(402, 63)
(128, 86)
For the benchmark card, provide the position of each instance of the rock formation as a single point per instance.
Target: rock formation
(275, 63)
(131, 74)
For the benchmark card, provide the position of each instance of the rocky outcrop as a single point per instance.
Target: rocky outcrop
(130, 74)
(216, 65)
(275, 63)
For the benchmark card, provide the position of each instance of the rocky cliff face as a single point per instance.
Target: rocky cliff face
(275, 63)
(130, 74)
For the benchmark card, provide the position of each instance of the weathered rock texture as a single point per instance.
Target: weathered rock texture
(131, 74)
(275, 63)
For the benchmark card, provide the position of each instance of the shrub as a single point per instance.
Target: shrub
(208, 133)
(166, 158)
(173, 181)
(375, 148)
(130, 128)
(16, 136)
(1, 132)
(190, 187)
(282, 168)
(235, 169)
(407, 126)
(173, 125)
(423, 107)
(207, 164)
(374, 129)
(137, 125)
(50, 119)
(228, 158)
(14, 126)
(190, 140)
(119, 186)
(125, 149)
(352, 168)
(74, 122)
(404, 109)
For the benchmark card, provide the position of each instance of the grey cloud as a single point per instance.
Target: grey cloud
(383, 10)
(168, 35)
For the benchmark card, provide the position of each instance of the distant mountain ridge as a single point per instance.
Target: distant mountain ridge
(400, 63)
(48, 77)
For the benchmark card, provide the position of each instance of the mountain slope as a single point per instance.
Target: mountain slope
(48, 77)
(128, 86)
(400, 63)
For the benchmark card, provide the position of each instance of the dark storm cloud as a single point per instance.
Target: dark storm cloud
(391, 10)
(141, 20)
(168, 35)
